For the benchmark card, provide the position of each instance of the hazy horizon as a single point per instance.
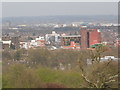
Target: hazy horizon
(28, 9)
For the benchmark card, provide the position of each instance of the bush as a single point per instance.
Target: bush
(18, 76)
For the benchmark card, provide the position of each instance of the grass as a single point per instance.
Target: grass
(18, 76)
(69, 78)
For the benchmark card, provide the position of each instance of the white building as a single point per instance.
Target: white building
(24, 45)
(52, 38)
(38, 42)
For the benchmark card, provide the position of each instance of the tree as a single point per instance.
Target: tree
(18, 76)
(6, 55)
(99, 74)
(30, 38)
(17, 55)
(12, 46)
(39, 55)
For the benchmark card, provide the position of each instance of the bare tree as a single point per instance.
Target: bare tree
(99, 74)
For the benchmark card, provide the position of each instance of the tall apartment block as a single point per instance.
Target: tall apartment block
(89, 37)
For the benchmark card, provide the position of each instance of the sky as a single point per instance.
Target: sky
(17, 9)
(59, 0)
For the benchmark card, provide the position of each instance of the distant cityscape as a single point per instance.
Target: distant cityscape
(59, 45)
(74, 35)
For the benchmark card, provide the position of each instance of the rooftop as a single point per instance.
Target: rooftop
(72, 36)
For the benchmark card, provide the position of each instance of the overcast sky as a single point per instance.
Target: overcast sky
(59, 8)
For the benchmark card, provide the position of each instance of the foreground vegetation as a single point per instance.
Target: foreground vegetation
(40, 77)
(40, 68)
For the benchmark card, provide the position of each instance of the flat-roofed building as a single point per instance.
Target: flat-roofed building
(89, 37)
(70, 41)
(52, 39)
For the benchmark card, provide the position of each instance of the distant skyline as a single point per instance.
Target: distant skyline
(18, 9)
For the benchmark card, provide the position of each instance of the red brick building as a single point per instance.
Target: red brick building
(89, 37)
